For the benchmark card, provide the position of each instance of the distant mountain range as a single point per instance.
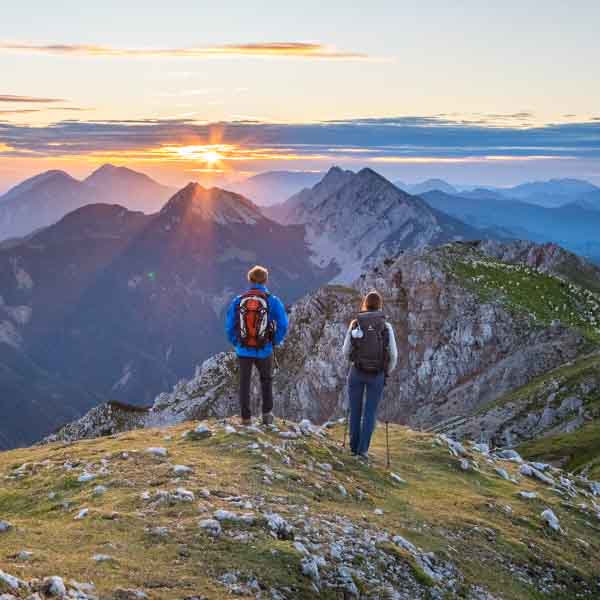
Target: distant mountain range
(273, 187)
(553, 193)
(426, 186)
(550, 194)
(44, 199)
(573, 226)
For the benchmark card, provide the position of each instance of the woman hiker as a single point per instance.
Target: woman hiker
(370, 345)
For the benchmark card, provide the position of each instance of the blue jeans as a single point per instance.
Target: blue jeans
(362, 418)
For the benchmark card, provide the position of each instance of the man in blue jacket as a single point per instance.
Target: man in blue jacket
(256, 321)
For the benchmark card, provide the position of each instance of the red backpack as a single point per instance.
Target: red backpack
(255, 329)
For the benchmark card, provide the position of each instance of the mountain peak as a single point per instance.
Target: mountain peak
(334, 174)
(212, 204)
(51, 177)
(109, 172)
(334, 170)
(369, 174)
(107, 167)
(369, 177)
(430, 185)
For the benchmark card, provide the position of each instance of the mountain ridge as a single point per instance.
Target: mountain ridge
(569, 225)
(45, 198)
(355, 219)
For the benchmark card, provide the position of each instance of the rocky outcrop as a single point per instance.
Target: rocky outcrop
(456, 352)
(561, 401)
(106, 419)
(546, 258)
(459, 349)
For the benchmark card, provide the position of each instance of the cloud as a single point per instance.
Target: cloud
(265, 49)
(26, 111)
(20, 111)
(28, 99)
(379, 140)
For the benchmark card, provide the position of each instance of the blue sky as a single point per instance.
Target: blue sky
(471, 91)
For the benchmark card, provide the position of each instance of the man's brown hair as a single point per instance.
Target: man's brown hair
(258, 275)
(372, 301)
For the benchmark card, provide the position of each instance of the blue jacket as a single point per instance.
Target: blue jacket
(276, 313)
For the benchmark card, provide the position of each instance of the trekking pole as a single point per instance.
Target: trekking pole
(277, 369)
(387, 444)
(347, 406)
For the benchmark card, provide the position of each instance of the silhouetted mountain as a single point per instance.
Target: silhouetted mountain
(273, 187)
(426, 186)
(120, 185)
(571, 226)
(549, 194)
(114, 304)
(480, 193)
(39, 201)
(553, 193)
(355, 219)
(44, 199)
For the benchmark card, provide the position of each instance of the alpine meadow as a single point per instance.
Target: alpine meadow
(299, 300)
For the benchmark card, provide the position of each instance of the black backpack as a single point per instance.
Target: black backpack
(370, 351)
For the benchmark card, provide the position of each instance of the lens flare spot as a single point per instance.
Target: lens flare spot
(211, 157)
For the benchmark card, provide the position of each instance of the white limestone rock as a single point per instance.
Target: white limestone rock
(211, 526)
(54, 586)
(157, 451)
(551, 520)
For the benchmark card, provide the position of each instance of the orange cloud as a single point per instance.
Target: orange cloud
(282, 49)
(28, 99)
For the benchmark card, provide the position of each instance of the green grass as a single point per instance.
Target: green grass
(575, 450)
(440, 509)
(523, 290)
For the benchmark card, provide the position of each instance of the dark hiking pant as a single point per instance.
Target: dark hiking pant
(363, 413)
(265, 369)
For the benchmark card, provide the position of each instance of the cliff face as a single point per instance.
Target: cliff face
(473, 322)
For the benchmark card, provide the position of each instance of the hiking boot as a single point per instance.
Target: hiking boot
(267, 418)
(246, 422)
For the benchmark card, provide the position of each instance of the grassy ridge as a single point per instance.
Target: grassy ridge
(460, 516)
(545, 298)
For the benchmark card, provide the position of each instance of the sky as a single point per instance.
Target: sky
(475, 92)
